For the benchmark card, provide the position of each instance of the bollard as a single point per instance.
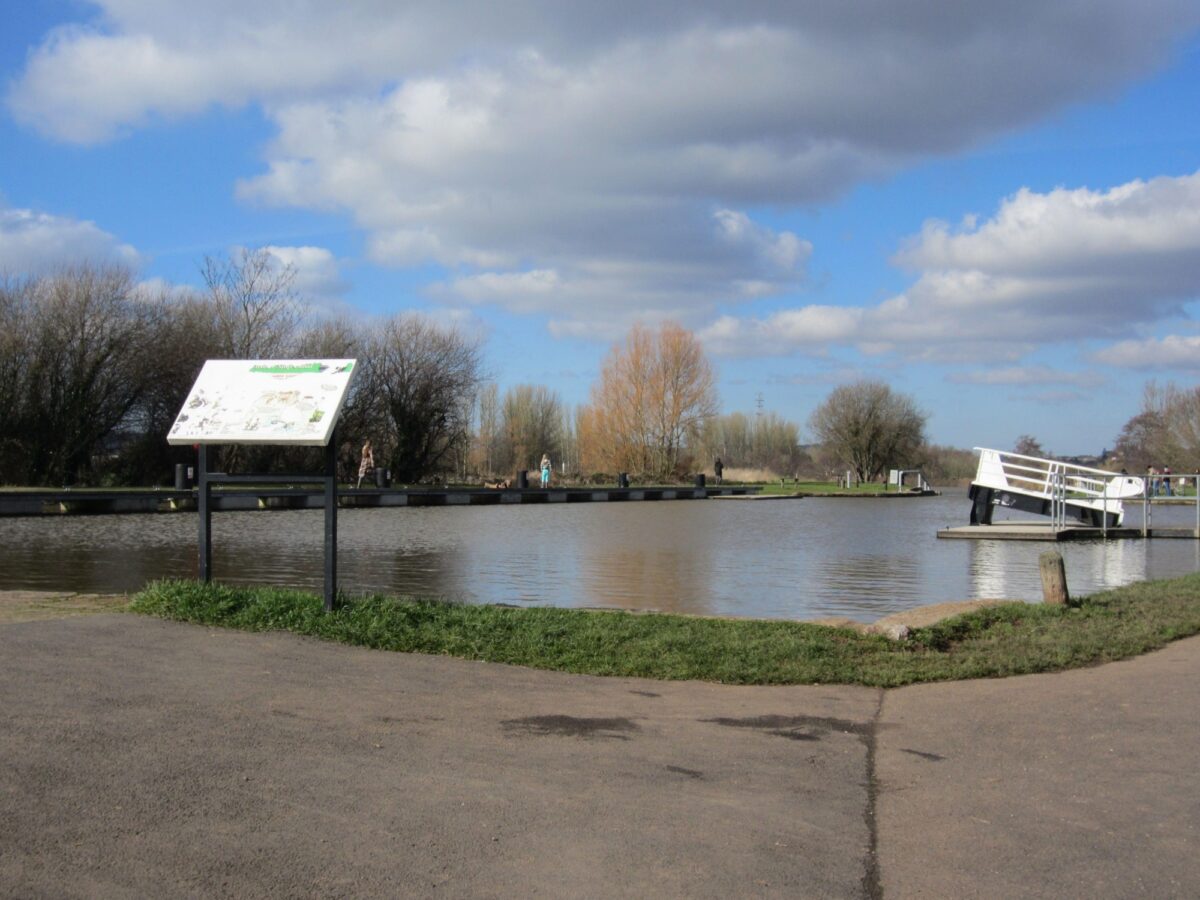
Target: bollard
(1054, 578)
(523, 479)
(700, 480)
(622, 479)
(180, 478)
(380, 477)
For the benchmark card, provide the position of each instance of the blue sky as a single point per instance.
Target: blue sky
(994, 208)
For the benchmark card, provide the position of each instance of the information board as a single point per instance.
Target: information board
(264, 401)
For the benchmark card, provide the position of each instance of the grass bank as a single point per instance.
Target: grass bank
(1002, 640)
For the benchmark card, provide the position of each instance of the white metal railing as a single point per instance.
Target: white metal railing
(1154, 484)
(1059, 482)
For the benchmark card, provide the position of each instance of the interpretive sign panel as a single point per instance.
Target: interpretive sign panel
(261, 401)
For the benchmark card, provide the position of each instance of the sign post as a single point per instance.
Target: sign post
(291, 402)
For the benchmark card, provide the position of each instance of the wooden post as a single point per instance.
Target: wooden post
(1054, 578)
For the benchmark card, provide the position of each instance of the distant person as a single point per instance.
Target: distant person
(1166, 482)
(366, 463)
(718, 468)
(1152, 480)
(545, 470)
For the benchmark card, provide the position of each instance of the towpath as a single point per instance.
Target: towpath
(145, 758)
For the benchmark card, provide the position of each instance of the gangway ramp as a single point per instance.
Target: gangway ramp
(1049, 487)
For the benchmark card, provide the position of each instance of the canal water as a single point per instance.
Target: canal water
(794, 559)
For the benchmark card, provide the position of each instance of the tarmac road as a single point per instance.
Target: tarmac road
(147, 758)
(1075, 784)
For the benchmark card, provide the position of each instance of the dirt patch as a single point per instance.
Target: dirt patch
(924, 616)
(31, 606)
(917, 617)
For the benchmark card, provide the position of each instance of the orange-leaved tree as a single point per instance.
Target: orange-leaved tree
(653, 394)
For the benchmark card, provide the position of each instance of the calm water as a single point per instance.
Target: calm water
(782, 559)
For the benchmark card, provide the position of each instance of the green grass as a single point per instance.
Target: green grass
(1010, 639)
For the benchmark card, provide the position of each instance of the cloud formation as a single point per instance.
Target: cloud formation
(34, 243)
(317, 275)
(1174, 351)
(1027, 376)
(596, 162)
(1056, 267)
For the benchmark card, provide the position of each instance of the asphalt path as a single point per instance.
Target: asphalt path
(145, 758)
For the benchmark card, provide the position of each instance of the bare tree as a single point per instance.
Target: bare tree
(1028, 445)
(487, 437)
(654, 392)
(766, 441)
(867, 427)
(418, 383)
(182, 337)
(255, 306)
(1165, 431)
(16, 358)
(531, 424)
(84, 354)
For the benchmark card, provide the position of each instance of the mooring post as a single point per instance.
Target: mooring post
(1054, 578)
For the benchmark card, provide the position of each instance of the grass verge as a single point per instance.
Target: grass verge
(1010, 639)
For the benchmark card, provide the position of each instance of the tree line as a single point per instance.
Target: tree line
(94, 367)
(1165, 432)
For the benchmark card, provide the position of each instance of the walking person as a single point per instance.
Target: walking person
(1167, 480)
(367, 462)
(718, 468)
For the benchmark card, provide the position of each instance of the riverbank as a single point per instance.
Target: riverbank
(1005, 639)
(33, 606)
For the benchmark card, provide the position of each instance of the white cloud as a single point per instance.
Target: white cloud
(317, 276)
(1171, 352)
(618, 147)
(1047, 268)
(33, 243)
(1027, 376)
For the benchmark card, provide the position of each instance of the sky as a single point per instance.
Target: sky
(993, 207)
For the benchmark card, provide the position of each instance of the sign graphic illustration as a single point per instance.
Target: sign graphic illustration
(264, 402)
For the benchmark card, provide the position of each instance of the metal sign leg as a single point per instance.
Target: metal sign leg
(331, 499)
(204, 508)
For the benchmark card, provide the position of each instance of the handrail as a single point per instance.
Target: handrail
(1059, 483)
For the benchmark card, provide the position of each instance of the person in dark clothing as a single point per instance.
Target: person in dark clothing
(718, 468)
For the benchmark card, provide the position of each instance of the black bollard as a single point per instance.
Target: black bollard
(380, 477)
(700, 480)
(523, 479)
(180, 477)
(623, 480)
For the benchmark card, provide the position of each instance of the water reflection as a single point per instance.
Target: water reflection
(637, 555)
(784, 559)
